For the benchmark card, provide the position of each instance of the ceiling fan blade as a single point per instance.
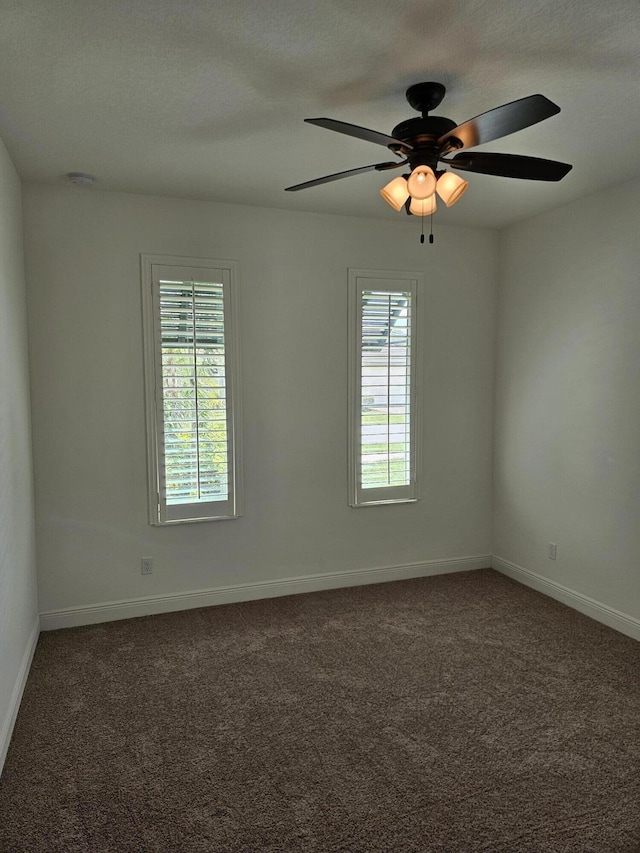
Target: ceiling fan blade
(510, 166)
(499, 122)
(378, 167)
(358, 132)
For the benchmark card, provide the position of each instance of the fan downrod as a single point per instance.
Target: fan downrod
(425, 97)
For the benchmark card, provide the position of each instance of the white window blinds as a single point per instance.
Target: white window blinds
(195, 436)
(384, 406)
(196, 449)
(385, 392)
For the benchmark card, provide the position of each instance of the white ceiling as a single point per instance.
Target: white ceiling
(205, 99)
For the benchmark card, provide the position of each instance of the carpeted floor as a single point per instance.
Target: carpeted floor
(459, 713)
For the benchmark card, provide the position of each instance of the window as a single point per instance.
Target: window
(191, 378)
(383, 382)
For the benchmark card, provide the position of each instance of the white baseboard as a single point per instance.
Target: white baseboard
(16, 694)
(108, 611)
(628, 625)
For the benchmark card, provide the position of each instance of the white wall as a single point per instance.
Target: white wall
(88, 415)
(18, 600)
(567, 437)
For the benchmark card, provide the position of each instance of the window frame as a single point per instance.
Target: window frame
(359, 281)
(217, 271)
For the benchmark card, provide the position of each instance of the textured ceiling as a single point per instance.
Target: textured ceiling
(206, 100)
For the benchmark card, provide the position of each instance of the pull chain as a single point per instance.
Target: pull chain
(431, 227)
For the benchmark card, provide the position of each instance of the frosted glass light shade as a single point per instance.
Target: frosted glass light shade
(395, 193)
(450, 187)
(424, 206)
(422, 182)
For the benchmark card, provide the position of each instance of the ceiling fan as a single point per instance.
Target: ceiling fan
(424, 142)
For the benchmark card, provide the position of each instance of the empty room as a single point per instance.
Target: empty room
(319, 426)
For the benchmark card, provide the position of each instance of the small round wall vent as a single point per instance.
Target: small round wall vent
(80, 179)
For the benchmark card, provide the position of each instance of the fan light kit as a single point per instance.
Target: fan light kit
(424, 142)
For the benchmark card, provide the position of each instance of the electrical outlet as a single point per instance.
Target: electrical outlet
(551, 550)
(146, 565)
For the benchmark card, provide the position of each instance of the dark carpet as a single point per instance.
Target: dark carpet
(459, 713)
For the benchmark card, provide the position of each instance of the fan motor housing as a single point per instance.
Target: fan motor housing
(423, 135)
